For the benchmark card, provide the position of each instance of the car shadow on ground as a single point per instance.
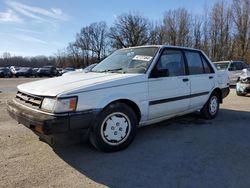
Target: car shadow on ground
(187, 151)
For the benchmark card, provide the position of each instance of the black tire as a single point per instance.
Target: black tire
(104, 142)
(211, 108)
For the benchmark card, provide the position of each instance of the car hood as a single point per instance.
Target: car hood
(65, 85)
(245, 73)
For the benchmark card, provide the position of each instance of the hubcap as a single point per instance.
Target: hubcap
(213, 106)
(115, 128)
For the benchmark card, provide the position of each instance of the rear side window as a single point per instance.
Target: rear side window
(194, 62)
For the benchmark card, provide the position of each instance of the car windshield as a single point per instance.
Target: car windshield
(221, 66)
(129, 60)
(88, 68)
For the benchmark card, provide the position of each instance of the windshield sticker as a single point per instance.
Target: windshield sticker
(142, 58)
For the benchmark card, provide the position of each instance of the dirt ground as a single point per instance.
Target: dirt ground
(185, 152)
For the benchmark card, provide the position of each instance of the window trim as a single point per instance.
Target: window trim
(208, 64)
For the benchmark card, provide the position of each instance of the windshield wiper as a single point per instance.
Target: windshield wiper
(113, 70)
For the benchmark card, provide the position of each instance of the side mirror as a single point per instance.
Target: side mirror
(159, 73)
(230, 68)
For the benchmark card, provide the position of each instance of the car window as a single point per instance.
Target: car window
(244, 65)
(236, 65)
(173, 61)
(221, 66)
(194, 62)
(207, 67)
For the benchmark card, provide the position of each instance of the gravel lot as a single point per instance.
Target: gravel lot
(182, 152)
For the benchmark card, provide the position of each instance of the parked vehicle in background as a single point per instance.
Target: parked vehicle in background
(243, 83)
(131, 88)
(5, 72)
(24, 71)
(67, 69)
(14, 69)
(59, 70)
(48, 71)
(35, 73)
(234, 69)
(85, 70)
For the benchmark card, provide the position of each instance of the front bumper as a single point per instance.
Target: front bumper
(243, 88)
(51, 126)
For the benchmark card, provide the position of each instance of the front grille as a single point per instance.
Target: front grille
(29, 100)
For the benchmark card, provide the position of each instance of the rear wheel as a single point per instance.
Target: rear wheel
(115, 128)
(211, 108)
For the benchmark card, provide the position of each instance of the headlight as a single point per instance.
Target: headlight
(48, 104)
(59, 105)
(65, 105)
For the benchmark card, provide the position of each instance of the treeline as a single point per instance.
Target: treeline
(38, 61)
(222, 31)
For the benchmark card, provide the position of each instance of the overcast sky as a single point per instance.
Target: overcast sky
(41, 27)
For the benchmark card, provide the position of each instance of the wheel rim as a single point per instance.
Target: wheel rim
(213, 106)
(115, 128)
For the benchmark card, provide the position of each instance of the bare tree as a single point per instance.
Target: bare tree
(197, 32)
(205, 32)
(241, 18)
(73, 54)
(98, 42)
(92, 40)
(129, 30)
(177, 27)
(220, 34)
(157, 34)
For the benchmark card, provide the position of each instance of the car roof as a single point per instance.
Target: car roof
(165, 46)
(228, 61)
(222, 62)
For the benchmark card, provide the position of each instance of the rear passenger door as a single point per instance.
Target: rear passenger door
(201, 76)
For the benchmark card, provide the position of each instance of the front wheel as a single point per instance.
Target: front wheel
(211, 108)
(115, 128)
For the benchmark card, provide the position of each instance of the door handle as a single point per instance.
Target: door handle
(210, 77)
(185, 79)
